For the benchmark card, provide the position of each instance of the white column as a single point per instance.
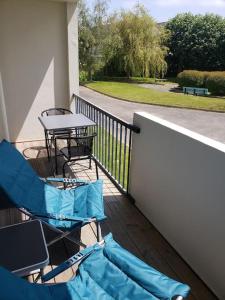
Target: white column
(73, 51)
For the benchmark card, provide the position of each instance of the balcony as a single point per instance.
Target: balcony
(128, 225)
(50, 48)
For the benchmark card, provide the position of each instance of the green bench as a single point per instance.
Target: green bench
(160, 79)
(195, 91)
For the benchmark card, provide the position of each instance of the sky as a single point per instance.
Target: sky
(162, 10)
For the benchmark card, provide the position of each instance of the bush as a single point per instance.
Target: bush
(83, 76)
(192, 78)
(215, 83)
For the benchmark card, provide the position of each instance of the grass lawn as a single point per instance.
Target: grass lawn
(112, 153)
(134, 93)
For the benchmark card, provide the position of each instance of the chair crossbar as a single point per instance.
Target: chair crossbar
(67, 264)
(66, 180)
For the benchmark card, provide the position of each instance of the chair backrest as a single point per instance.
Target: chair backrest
(19, 181)
(83, 143)
(55, 111)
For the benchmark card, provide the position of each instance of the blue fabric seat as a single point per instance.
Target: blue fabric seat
(108, 272)
(62, 209)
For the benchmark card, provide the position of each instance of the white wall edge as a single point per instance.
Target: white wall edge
(73, 52)
(3, 110)
(194, 135)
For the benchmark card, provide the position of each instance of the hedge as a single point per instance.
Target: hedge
(192, 78)
(213, 81)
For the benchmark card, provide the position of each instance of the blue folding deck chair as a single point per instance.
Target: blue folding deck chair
(106, 272)
(62, 210)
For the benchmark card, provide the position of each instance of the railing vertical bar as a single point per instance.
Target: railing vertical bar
(124, 155)
(112, 152)
(89, 111)
(93, 127)
(116, 159)
(82, 108)
(76, 104)
(102, 136)
(120, 153)
(109, 138)
(129, 158)
(98, 136)
(86, 107)
(106, 143)
(97, 130)
(79, 104)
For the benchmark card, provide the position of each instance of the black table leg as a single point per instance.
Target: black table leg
(56, 165)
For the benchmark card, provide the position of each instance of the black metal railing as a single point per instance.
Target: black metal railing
(112, 146)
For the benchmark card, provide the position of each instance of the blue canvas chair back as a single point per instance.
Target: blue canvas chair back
(26, 190)
(109, 272)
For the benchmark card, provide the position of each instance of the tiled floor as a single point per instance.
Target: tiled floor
(129, 227)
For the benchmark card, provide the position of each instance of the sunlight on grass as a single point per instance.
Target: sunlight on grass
(113, 154)
(134, 93)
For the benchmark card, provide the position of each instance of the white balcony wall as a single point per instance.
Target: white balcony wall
(177, 179)
(34, 62)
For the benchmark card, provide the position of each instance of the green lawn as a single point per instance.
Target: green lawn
(112, 154)
(134, 93)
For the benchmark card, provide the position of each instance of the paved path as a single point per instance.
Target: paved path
(168, 87)
(210, 124)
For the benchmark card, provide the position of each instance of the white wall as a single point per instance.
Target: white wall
(177, 179)
(33, 62)
(73, 52)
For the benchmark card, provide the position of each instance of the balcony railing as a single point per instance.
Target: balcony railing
(112, 147)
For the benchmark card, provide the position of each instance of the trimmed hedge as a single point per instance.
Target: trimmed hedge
(192, 78)
(213, 81)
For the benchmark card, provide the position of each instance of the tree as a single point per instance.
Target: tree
(196, 42)
(126, 43)
(136, 44)
(91, 36)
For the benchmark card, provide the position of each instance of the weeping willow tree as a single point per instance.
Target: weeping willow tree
(136, 44)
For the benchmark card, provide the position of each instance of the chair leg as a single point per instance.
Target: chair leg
(56, 162)
(89, 163)
(99, 232)
(96, 168)
(46, 144)
(64, 174)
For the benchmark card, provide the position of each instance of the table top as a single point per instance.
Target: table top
(67, 121)
(23, 247)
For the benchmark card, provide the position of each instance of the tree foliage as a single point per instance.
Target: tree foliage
(137, 43)
(92, 34)
(127, 43)
(196, 42)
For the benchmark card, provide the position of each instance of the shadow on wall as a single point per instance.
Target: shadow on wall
(33, 62)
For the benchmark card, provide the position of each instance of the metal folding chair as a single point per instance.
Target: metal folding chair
(50, 135)
(61, 210)
(106, 271)
(79, 148)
